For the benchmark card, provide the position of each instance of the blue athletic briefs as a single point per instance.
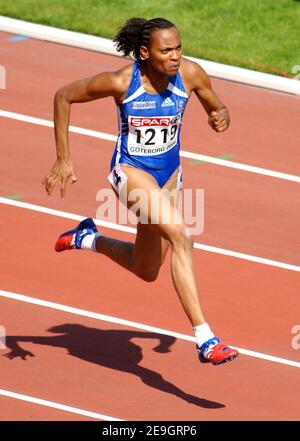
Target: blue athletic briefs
(149, 127)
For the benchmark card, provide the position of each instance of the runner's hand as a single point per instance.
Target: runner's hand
(18, 352)
(219, 120)
(62, 171)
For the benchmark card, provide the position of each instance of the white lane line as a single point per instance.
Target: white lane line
(47, 123)
(242, 167)
(41, 402)
(183, 153)
(248, 257)
(132, 230)
(119, 321)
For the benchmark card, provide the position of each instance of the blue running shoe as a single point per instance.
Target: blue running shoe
(73, 238)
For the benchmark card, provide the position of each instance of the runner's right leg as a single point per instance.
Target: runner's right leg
(147, 254)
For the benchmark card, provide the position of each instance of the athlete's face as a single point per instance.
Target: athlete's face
(164, 51)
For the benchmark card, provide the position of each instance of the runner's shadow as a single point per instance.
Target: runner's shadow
(112, 349)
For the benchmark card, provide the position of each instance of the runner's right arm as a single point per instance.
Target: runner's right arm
(99, 86)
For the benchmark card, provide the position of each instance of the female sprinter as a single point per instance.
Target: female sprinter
(151, 95)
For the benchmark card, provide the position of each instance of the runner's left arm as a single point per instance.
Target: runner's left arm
(218, 115)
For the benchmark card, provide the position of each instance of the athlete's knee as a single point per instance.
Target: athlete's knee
(180, 238)
(148, 276)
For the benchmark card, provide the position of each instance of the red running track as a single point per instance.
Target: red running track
(112, 369)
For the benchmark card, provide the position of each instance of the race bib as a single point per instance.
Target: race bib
(149, 136)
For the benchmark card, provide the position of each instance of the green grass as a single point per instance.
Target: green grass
(257, 34)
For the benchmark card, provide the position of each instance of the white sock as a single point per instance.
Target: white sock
(89, 242)
(203, 333)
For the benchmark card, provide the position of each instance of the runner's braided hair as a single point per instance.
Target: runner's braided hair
(136, 32)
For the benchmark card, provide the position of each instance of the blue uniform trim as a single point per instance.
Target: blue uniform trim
(149, 127)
